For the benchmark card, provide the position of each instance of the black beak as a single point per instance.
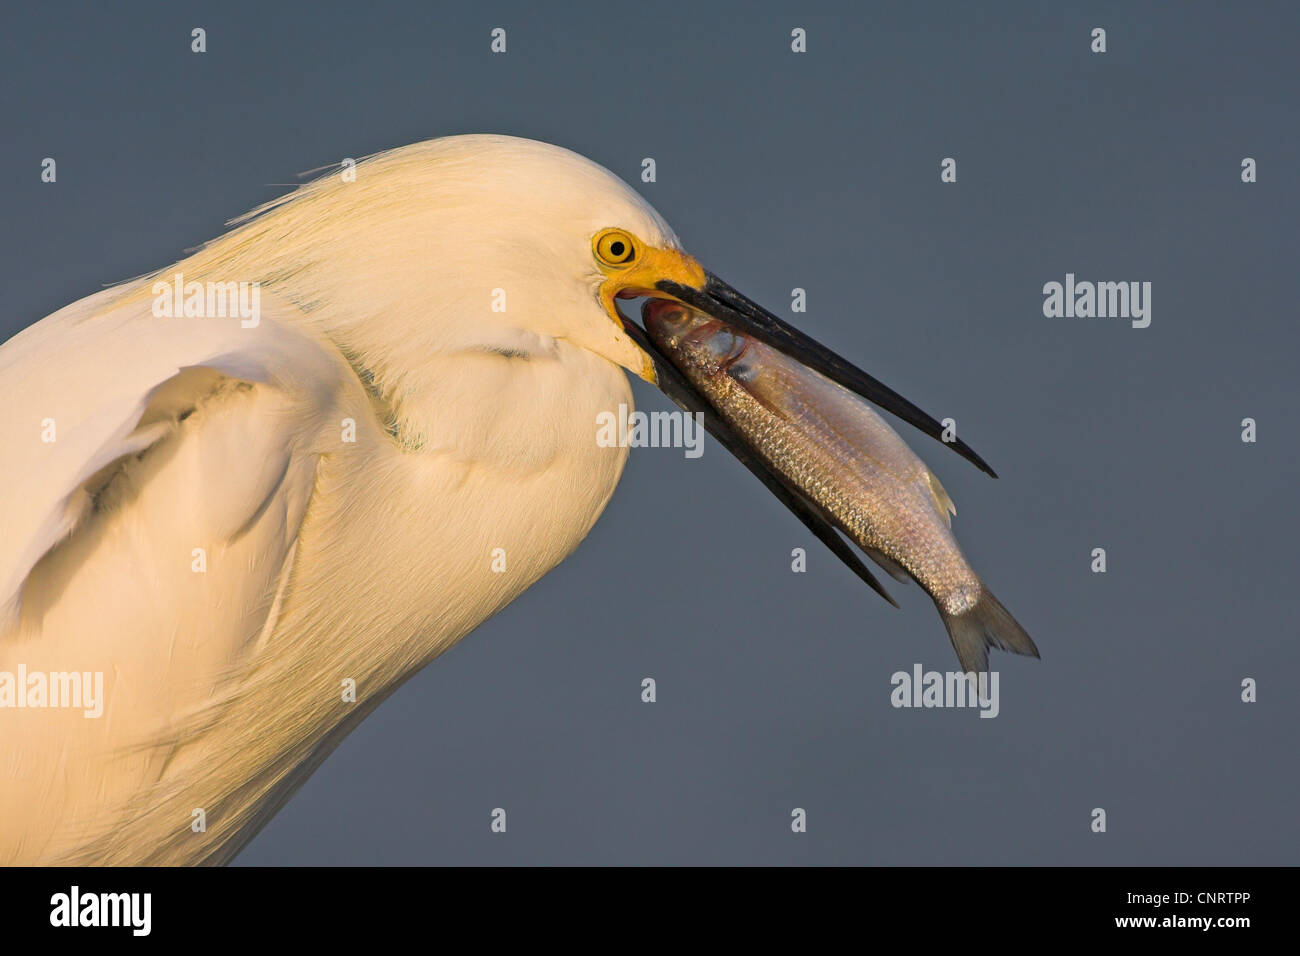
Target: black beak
(721, 301)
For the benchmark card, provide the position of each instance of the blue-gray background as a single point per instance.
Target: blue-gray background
(819, 171)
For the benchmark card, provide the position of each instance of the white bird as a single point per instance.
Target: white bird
(231, 520)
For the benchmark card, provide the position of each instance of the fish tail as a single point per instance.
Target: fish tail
(987, 624)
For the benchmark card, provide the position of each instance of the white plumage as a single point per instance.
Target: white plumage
(326, 559)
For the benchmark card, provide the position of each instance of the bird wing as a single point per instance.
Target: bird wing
(155, 476)
(104, 380)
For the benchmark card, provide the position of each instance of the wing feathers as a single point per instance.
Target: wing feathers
(103, 381)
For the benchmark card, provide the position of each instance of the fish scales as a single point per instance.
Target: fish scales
(846, 460)
(883, 503)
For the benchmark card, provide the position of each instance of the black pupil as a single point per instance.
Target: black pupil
(616, 248)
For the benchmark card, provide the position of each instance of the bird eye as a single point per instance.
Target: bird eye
(613, 247)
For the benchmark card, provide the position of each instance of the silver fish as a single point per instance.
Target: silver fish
(832, 450)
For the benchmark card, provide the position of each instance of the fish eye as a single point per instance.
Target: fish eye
(614, 247)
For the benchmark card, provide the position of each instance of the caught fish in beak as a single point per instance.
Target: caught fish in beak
(721, 301)
(782, 403)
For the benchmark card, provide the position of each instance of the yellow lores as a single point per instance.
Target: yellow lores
(635, 269)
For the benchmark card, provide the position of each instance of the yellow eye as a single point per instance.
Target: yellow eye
(614, 247)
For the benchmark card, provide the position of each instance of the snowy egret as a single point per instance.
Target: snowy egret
(310, 457)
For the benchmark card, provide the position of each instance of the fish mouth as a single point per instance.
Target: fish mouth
(724, 304)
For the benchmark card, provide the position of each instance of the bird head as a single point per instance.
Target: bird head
(496, 244)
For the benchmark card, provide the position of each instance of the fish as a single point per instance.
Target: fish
(835, 461)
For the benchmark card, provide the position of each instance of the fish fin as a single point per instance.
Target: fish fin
(941, 500)
(987, 624)
(889, 564)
